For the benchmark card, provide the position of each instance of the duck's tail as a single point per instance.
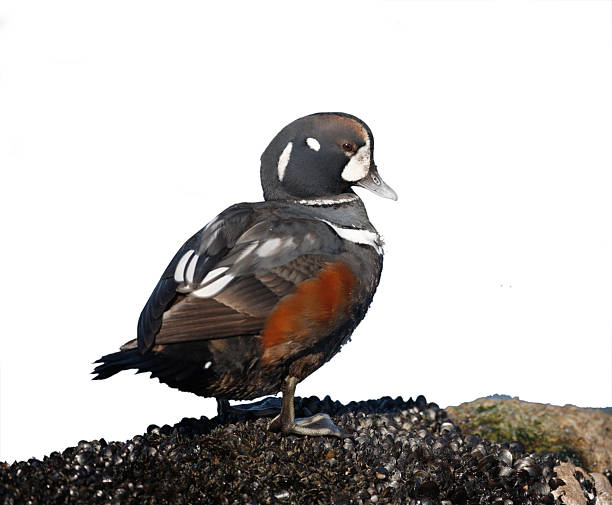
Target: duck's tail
(128, 358)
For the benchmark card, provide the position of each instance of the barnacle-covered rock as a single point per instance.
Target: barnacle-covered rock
(401, 452)
(581, 488)
(583, 436)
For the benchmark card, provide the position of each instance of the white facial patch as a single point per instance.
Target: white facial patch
(313, 143)
(359, 164)
(283, 161)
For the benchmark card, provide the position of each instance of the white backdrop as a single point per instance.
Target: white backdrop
(126, 125)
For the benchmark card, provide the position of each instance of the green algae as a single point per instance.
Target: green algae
(540, 428)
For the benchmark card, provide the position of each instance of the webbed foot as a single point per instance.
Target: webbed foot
(286, 424)
(317, 425)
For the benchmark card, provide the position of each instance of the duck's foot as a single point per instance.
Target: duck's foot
(286, 423)
(317, 425)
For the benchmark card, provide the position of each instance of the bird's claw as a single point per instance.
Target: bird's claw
(317, 425)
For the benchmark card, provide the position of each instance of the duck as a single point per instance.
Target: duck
(267, 292)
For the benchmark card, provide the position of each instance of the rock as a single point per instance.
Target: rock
(582, 436)
(580, 487)
(604, 489)
(401, 452)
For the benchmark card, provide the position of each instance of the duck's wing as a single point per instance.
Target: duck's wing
(235, 278)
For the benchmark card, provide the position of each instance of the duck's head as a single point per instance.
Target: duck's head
(321, 155)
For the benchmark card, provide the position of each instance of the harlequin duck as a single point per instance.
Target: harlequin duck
(267, 292)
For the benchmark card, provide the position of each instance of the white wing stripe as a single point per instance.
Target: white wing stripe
(274, 245)
(213, 274)
(269, 247)
(214, 287)
(191, 269)
(179, 272)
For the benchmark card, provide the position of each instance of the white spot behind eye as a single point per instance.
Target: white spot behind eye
(359, 164)
(207, 365)
(283, 160)
(313, 143)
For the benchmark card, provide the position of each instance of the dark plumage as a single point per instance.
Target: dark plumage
(267, 292)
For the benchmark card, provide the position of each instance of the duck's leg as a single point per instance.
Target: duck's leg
(285, 422)
(223, 407)
(262, 408)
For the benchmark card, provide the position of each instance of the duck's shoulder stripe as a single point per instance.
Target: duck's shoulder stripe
(358, 236)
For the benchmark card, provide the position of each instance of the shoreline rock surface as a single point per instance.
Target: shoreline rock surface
(404, 452)
(584, 436)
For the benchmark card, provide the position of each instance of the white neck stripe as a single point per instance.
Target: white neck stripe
(318, 202)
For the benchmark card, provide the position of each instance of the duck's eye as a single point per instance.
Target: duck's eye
(348, 147)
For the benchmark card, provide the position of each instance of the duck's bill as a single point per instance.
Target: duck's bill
(375, 184)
